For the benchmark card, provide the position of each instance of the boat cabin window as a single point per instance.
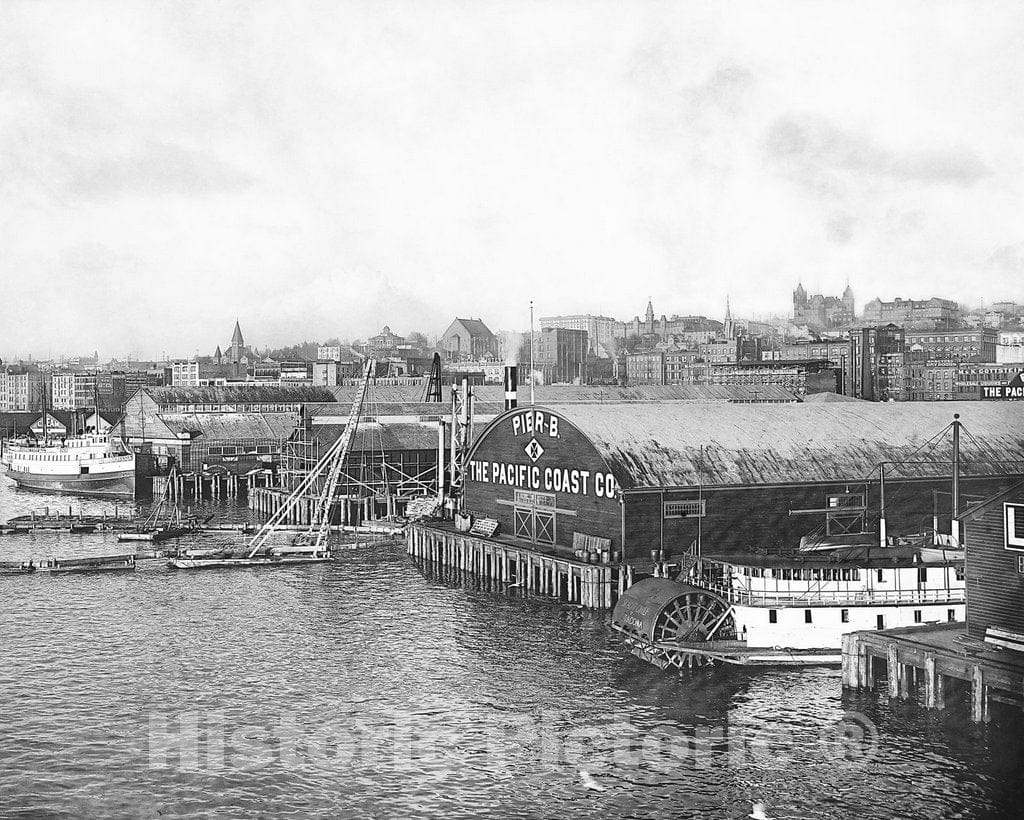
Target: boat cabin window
(950, 614)
(845, 574)
(881, 576)
(807, 616)
(960, 570)
(917, 616)
(879, 622)
(922, 574)
(773, 616)
(787, 574)
(844, 616)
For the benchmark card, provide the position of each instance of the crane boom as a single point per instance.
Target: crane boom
(328, 467)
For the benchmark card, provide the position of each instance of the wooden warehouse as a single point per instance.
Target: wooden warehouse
(739, 478)
(995, 570)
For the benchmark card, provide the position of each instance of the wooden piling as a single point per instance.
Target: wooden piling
(979, 696)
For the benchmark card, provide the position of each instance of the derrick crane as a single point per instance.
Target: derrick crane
(327, 471)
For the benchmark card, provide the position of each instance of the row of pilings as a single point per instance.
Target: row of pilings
(591, 586)
(199, 486)
(929, 663)
(345, 510)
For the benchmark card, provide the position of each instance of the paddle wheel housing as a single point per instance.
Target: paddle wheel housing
(664, 622)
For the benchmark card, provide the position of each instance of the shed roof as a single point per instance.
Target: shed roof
(378, 437)
(679, 444)
(239, 393)
(232, 426)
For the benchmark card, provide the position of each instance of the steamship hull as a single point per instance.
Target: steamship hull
(119, 484)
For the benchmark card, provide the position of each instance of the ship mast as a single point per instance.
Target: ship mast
(42, 384)
(955, 523)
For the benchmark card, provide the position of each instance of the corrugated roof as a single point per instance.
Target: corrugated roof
(232, 426)
(680, 444)
(241, 394)
(563, 393)
(828, 398)
(377, 437)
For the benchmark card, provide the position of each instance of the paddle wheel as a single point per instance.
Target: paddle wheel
(668, 623)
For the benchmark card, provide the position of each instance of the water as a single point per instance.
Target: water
(367, 688)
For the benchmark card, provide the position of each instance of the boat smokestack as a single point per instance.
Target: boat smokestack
(511, 387)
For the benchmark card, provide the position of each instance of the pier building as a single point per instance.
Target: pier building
(734, 478)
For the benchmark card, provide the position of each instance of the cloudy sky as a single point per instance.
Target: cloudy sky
(323, 169)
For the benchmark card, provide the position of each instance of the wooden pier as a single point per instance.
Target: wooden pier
(591, 586)
(345, 510)
(934, 657)
(208, 484)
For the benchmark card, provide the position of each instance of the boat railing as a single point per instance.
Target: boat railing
(838, 597)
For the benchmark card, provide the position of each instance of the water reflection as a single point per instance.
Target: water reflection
(365, 687)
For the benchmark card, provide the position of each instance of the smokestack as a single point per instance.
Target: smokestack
(511, 385)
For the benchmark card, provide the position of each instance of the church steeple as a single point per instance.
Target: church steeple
(236, 338)
(729, 326)
(650, 310)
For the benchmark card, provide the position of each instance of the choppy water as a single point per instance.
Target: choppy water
(367, 688)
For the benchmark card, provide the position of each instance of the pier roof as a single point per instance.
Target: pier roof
(673, 444)
(596, 394)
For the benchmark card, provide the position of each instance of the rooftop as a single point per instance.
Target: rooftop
(719, 444)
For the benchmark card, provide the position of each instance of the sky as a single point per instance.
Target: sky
(324, 169)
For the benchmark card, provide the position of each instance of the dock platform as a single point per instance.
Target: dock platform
(936, 654)
(508, 561)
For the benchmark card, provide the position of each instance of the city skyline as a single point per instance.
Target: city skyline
(431, 332)
(341, 161)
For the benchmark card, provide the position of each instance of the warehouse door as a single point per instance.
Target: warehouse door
(534, 517)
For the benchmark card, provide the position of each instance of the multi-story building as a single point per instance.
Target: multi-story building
(184, 373)
(561, 355)
(1010, 348)
(719, 351)
(21, 389)
(329, 353)
(876, 363)
(62, 390)
(296, 373)
(601, 330)
(646, 367)
(679, 329)
(972, 376)
(963, 344)
(819, 312)
(679, 365)
(385, 340)
(923, 313)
